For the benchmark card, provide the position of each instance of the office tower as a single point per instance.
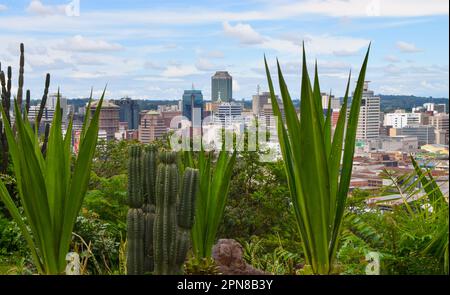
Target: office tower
(47, 114)
(128, 112)
(335, 101)
(51, 105)
(441, 124)
(222, 86)
(109, 118)
(192, 102)
(228, 113)
(152, 127)
(49, 109)
(400, 119)
(268, 114)
(259, 100)
(369, 115)
(425, 134)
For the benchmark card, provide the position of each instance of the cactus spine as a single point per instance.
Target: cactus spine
(135, 216)
(173, 220)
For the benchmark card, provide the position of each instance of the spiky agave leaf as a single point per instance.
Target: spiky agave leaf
(50, 192)
(312, 163)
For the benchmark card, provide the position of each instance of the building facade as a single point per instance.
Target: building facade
(228, 113)
(441, 124)
(369, 115)
(425, 134)
(192, 103)
(222, 86)
(109, 118)
(152, 127)
(128, 112)
(400, 119)
(259, 100)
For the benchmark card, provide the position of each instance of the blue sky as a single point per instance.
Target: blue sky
(155, 49)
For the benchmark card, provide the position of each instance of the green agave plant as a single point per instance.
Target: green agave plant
(318, 184)
(211, 198)
(51, 188)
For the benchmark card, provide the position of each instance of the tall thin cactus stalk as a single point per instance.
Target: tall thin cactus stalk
(5, 81)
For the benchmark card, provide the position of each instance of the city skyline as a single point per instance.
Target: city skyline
(156, 50)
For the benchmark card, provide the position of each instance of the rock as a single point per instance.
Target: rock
(228, 256)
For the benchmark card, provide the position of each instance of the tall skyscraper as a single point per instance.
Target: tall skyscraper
(152, 127)
(109, 118)
(192, 100)
(369, 115)
(222, 86)
(128, 112)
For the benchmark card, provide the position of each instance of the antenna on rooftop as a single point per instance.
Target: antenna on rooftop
(258, 88)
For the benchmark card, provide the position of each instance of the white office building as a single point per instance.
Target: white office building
(400, 119)
(369, 115)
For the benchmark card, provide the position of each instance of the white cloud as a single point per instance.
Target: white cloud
(391, 58)
(236, 86)
(37, 7)
(80, 43)
(3, 7)
(215, 54)
(244, 33)
(179, 71)
(407, 47)
(204, 64)
(86, 75)
(317, 44)
(364, 8)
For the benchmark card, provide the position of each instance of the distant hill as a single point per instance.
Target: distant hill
(388, 102)
(392, 102)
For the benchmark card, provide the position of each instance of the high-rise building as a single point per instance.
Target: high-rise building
(152, 127)
(128, 112)
(49, 109)
(222, 86)
(268, 114)
(228, 113)
(51, 105)
(369, 115)
(192, 102)
(441, 124)
(109, 118)
(259, 100)
(335, 101)
(400, 119)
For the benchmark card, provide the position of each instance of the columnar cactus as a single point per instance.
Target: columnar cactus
(135, 217)
(135, 241)
(161, 214)
(172, 227)
(149, 177)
